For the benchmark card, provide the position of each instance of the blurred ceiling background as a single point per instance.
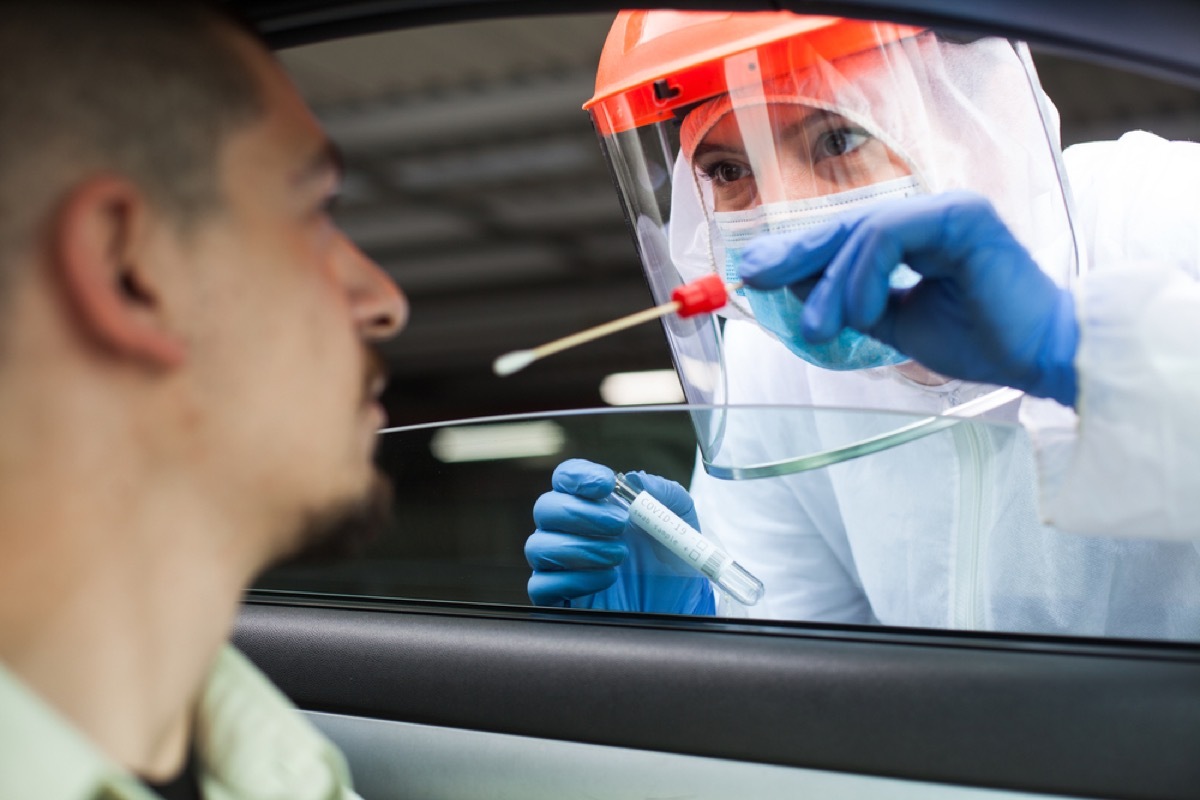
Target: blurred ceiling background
(475, 179)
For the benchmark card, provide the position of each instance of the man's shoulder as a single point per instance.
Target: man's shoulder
(248, 733)
(42, 754)
(252, 742)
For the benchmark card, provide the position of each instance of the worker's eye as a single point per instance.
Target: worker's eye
(839, 141)
(722, 172)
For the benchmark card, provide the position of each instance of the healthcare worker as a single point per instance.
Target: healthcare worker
(898, 183)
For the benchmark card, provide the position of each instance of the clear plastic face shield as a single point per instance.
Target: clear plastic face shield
(723, 127)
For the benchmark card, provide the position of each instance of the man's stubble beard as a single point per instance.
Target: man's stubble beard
(344, 529)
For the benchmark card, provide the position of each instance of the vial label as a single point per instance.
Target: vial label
(680, 538)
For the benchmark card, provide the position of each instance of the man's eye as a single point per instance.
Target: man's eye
(840, 142)
(330, 203)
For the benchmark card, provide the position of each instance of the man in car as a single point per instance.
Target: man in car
(188, 395)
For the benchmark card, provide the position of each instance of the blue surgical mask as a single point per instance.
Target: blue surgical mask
(780, 311)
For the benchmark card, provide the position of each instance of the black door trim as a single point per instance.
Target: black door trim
(1118, 724)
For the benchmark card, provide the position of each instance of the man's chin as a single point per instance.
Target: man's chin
(343, 530)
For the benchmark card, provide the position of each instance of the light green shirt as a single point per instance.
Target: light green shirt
(251, 741)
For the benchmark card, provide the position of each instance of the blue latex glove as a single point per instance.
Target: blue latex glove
(586, 554)
(984, 311)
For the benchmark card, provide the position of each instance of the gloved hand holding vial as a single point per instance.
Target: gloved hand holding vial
(669, 530)
(627, 542)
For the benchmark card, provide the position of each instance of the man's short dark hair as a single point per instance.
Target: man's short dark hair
(149, 90)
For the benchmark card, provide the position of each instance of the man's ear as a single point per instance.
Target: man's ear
(102, 256)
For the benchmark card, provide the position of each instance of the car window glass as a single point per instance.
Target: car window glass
(475, 179)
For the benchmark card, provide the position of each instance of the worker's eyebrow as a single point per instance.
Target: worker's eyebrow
(805, 125)
(325, 161)
(809, 123)
(706, 147)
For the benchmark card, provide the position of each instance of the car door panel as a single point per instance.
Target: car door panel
(1096, 720)
(398, 760)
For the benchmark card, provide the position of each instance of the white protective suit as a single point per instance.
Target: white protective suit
(945, 531)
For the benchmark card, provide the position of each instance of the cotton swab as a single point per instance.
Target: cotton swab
(698, 297)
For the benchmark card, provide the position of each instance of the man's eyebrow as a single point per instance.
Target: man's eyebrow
(326, 160)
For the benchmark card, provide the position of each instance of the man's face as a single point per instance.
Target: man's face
(285, 310)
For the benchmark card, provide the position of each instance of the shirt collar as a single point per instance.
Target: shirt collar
(44, 755)
(252, 743)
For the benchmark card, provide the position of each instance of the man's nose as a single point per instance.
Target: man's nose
(379, 306)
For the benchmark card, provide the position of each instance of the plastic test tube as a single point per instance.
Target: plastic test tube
(688, 543)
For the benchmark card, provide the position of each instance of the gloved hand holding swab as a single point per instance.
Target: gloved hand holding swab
(701, 296)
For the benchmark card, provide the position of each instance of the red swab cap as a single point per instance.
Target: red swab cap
(700, 296)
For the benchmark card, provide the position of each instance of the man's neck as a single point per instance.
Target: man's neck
(121, 568)
(118, 638)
